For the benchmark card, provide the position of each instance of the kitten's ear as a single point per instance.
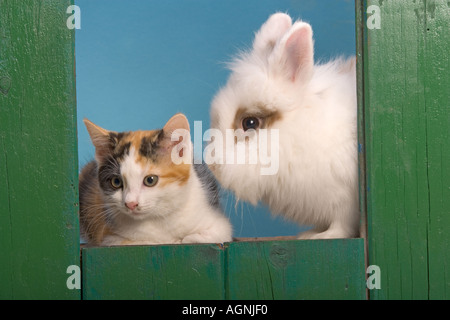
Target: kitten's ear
(294, 54)
(178, 121)
(101, 139)
(176, 133)
(269, 33)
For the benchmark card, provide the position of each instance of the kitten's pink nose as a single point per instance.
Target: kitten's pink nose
(131, 205)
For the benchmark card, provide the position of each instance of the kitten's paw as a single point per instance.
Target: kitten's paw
(212, 235)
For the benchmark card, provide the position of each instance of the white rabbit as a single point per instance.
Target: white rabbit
(276, 85)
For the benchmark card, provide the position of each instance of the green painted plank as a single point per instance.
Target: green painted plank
(38, 151)
(396, 154)
(359, 33)
(153, 272)
(406, 113)
(296, 269)
(436, 70)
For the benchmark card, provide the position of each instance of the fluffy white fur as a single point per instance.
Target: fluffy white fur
(172, 214)
(167, 214)
(317, 180)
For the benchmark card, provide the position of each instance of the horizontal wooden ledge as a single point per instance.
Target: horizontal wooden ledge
(238, 239)
(244, 269)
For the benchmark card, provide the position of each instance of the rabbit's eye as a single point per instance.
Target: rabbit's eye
(250, 123)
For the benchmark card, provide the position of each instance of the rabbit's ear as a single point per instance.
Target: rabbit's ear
(294, 54)
(269, 33)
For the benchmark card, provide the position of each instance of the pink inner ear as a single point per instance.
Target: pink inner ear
(180, 142)
(178, 121)
(273, 29)
(299, 52)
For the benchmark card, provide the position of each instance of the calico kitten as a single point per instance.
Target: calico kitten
(133, 193)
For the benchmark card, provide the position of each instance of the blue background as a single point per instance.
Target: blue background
(138, 62)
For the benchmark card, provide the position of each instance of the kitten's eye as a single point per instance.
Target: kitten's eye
(116, 182)
(150, 181)
(250, 123)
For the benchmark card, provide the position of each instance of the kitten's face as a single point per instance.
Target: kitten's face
(136, 173)
(139, 179)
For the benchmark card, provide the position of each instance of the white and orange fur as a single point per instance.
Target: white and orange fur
(314, 108)
(182, 207)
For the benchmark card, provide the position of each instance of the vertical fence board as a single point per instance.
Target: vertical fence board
(406, 116)
(359, 32)
(39, 235)
(436, 70)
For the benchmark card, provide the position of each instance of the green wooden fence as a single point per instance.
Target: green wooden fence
(406, 107)
(39, 233)
(404, 120)
(277, 269)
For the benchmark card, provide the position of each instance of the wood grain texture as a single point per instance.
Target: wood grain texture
(39, 234)
(297, 269)
(154, 272)
(436, 70)
(279, 269)
(407, 117)
(359, 33)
